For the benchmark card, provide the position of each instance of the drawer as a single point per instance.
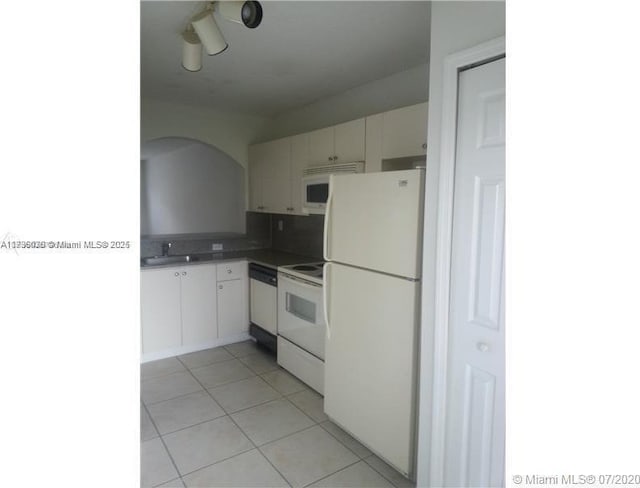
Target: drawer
(232, 270)
(301, 364)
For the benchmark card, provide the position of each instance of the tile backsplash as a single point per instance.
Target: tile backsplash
(289, 233)
(258, 236)
(298, 234)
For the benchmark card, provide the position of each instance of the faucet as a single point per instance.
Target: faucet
(166, 246)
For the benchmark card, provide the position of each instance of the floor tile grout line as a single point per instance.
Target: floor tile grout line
(166, 448)
(251, 406)
(258, 449)
(380, 473)
(335, 472)
(218, 462)
(342, 442)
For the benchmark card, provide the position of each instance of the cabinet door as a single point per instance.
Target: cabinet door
(276, 192)
(160, 309)
(299, 147)
(404, 132)
(256, 163)
(321, 146)
(232, 317)
(199, 317)
(349, 141)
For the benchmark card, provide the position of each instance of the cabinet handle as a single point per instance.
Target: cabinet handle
(330, 158)
(184, 273)
(424, 146)
(229, 271)
(482, 347)
(177, 274)
(220, 286)
(335, 158)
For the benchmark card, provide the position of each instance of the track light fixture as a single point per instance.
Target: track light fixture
(191, 50)
(208, 34)
(247, 13)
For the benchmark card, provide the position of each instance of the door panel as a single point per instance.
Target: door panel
(231, 305)
(375, 221)
(199, 305)
(370, 359)
(321, 146)
(160, 309)
(349, 141)
(475, 428)
(264, 306)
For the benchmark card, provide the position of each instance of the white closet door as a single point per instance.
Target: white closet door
(475, 430)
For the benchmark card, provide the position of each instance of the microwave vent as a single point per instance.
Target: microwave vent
(355, 167)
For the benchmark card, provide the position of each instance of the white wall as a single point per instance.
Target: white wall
(454, 26)
(194, 189)
(398, 90)
(228, 131)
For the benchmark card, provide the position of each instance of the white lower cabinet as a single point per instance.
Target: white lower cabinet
(233, 319)
(188, 308)
(160, 309)
(198, 305)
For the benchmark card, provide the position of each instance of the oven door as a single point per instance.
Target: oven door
(301, 314)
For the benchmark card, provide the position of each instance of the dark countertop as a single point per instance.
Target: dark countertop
(266, 257)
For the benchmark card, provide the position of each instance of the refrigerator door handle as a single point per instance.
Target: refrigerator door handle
(327, 218)
(325, 304)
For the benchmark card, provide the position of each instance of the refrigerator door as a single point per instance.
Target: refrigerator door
(370, 359)
(374, 221)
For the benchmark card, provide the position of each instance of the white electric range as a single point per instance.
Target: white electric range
(301, 322)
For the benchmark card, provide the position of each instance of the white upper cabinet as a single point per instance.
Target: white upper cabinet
(269, 176)
(321, 146)
(349, 141)
(299, 161)
(404, 132)
(340, 143)
(275, 177)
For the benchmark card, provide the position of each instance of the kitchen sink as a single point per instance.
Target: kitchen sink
(158, 260)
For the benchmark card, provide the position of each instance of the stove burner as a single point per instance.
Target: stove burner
(304, 267)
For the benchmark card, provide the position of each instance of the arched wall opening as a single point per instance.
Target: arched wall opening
(188, 187)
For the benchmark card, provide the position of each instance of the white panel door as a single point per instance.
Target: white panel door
(370, 359)
(160, 309)
(199, 317)
(374, 220)
(475, 430)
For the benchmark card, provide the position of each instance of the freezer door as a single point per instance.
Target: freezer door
(370, 360)
(374, 220)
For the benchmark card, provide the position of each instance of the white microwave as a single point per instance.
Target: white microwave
(315, 184)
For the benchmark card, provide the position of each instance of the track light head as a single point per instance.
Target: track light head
(247, 13)
(209, 33)
(191, 51)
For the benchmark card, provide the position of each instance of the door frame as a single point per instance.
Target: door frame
(453, 65)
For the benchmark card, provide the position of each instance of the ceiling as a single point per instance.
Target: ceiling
(301, 52)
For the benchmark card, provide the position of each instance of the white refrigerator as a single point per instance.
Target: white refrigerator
(373, 249)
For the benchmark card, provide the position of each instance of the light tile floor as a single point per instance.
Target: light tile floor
(231, 417)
